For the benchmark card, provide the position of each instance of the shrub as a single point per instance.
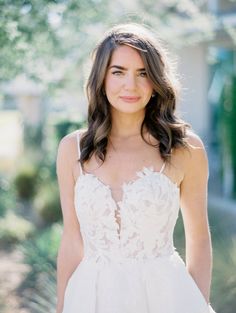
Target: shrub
(7, 197)
(224, 276)
(42, 298)
(47, 202)
(39, 293)
(26, 183)
(227, 117)
(42, 249)
(63, 127)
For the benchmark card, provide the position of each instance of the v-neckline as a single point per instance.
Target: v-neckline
(139, 176)
(118, 204)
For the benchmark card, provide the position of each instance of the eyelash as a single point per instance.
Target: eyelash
(117, 72)
(142, 74)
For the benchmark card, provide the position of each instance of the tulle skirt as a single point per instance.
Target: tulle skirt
(160, 285)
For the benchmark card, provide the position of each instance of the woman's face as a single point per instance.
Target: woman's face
(127, 87)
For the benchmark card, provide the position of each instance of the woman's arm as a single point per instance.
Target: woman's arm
(194, 211)
(70, 251)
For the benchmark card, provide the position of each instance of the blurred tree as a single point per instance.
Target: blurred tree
(43, 38)
(36, 35)
(64, 127)
(227, 126)
(23, 24)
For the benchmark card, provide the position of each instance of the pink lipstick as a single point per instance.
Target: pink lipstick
(130, 99)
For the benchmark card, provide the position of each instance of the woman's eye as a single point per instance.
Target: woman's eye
(143, 74)
(117, 73)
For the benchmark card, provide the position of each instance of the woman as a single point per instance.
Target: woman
(121, 184)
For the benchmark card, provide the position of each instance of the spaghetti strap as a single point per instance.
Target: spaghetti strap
(163, 167)
(79, 152)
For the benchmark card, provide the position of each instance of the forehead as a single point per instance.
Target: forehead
(126, 56)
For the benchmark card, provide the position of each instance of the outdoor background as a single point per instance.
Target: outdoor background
(45, 48)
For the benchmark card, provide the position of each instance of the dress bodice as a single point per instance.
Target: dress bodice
(148, 212)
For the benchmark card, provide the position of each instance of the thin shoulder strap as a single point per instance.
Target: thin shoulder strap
(163, 167)
(79, 152)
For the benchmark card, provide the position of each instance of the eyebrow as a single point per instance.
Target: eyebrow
(125, 69)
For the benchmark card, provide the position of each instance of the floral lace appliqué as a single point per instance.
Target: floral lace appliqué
(148, 212)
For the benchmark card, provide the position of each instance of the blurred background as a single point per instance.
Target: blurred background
(45, 48)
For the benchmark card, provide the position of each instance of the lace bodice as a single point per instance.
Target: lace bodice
(148, 212)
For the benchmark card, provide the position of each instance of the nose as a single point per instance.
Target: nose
(130, 81)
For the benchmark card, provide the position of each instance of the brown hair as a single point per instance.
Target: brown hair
(160, 119)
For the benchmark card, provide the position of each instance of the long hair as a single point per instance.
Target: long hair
(160, 118)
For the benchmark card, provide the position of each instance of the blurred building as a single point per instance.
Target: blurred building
(21, 104)
(208, 71)
(11, 141)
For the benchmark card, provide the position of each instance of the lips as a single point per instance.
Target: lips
(130, 99)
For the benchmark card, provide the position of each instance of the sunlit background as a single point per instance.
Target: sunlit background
(45, 48)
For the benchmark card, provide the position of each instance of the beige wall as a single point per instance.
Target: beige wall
(194, 78)
(11, 139)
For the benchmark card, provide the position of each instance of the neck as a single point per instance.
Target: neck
(126, 125)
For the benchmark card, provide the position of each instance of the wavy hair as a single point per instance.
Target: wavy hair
(160, 118)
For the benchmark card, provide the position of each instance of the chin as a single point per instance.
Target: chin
(129, 109)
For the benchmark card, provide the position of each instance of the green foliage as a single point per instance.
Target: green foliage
(233, 131)
(33, 135)
(47, 202)
(40, 253)
(179, 239)
(64, 127)
(37, 36)
(43, 297)
(224, 275)
(228, 125)
(24, 28)
(7, 196)
(42, 248)
(26, 182)
(223, 231)
(14, 228)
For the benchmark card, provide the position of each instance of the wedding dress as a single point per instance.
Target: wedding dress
(131, 266)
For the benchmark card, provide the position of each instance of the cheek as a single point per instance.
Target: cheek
(146, 85)
(147, 88)
(110, 86)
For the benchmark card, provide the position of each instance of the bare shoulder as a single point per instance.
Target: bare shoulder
(196, 153)
(194, 141)
(68, 147)
(190, 158)
(68, 144)
(194, 147)
(196, 157)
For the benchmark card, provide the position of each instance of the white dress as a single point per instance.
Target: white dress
(132, 267)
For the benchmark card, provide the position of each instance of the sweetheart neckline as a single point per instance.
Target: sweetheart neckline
(118, 204)
(130, 182)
